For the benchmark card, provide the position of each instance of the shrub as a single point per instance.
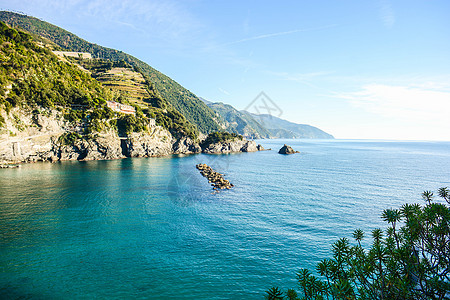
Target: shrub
(220, 137)
(411, 261)
(69, 138)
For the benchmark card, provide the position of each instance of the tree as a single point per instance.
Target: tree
(410, 262)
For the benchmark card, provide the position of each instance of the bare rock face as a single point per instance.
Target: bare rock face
(144, 145)
(26, 137)
(235, 146)
(30, 137)
(287, 150)
(186, 145)
(104, 146)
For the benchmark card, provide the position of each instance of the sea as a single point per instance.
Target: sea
(141, 228)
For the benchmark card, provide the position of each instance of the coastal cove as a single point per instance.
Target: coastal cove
(152, 227)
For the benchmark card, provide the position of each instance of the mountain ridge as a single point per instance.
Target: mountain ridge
(263, 126)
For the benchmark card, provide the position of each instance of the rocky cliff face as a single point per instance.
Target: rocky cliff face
(28, 137)
(185, 145)
(236, 146)
(32, 137)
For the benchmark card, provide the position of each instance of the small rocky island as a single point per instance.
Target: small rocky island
(215, 178)
(287, 150)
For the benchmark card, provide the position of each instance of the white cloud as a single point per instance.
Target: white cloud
(156, 17)
(168, 20)
(270, 35)
(224, 91)
(387, 13)
(413, 106)
(303, 78)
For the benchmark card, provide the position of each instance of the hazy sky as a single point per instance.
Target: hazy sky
(357, 69)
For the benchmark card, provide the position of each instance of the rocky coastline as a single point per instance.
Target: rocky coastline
(37, 138)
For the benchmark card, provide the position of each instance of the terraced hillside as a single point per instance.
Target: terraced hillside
(180, 98)
(129, 83)
(52, 82)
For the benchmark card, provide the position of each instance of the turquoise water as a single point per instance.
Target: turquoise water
(152, 228)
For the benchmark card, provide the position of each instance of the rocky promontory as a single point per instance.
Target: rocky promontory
(233, 146)
(287, 150)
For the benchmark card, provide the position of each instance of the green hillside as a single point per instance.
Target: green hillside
(180, 98)
(34, 79)
(280, 128)
(239, 122)
(263, 126)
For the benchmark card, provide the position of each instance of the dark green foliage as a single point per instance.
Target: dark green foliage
(181, 99)
(407, 262)
(69, 138)
(37, 78)
(274, 294)
(129, 123)
(46, 82)
(220, 137)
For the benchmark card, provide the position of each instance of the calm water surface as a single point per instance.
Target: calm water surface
(151, 227)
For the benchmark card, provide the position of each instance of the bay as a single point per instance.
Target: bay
(153, 228)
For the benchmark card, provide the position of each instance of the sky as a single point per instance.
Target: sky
(357, 69)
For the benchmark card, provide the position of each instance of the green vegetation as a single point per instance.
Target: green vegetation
(240, 122)
(69, 138)
(410, 260)
(182, 100)
(220, 137)
(32, 77)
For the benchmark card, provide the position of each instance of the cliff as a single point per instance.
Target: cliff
(47, 136)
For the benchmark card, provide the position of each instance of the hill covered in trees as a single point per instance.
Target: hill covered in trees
(263, 125)
(35, 79)
(181, 99)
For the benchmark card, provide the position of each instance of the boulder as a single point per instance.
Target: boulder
(287, 150)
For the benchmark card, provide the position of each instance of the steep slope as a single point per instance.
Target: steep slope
(263, 126)
(239, 122)
(52, 83)
(280, 128)
(180, 98)
(52, 109)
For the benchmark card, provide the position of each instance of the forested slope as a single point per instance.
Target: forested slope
(188, 104)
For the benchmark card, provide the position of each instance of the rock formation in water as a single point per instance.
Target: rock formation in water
(215, 178)
(287, 150)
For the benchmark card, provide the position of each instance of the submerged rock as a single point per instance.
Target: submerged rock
(287, 150)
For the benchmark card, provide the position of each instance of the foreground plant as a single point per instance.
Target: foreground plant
(410, 260)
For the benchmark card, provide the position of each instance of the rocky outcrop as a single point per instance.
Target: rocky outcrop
(157, 143)
(287, 150)
(27, 137)
(32, 137)
(103, 146)
(234, 146)
(215, 178)
(186, 145)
